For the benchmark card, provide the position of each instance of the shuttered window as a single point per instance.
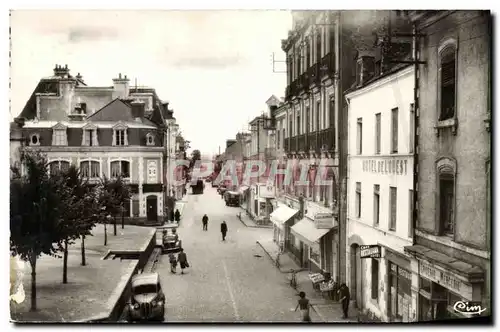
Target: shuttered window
(378, 132)
(358, 199)
(394, 133)
(376, 204)
(393, 208)
(448, 81)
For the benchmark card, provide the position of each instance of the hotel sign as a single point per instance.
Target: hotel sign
(371, 251)
(445, 279)
(395, 166)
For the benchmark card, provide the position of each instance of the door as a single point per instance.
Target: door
(152, 208)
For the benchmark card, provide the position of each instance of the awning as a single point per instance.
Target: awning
(307, 231)
(282, 214)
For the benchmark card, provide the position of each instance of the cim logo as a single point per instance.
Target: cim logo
(467, 308)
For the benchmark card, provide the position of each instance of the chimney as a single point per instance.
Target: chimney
(138, 109)
(61, 71)
(20, 122)
(121, 87)
(365, 68)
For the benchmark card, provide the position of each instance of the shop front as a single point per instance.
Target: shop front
(445, 285)
(279, 218)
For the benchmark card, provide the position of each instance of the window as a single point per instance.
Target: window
(58, 166)
(119, 137)
(278, 140)
(89, 137)
(120, 167)
(318, 113)
(90, 169)
(314, 255)
(410, 213)
(35, 139)
(59, 137)
(358, 199)
(446, 206)
(283, 134)
(150, 139)
(325, 125)
(308, 122)
(394, 132)
(298, 124)
(375, 273)
(332, 121)
(308, 55)
(412, 128)
(376, 204)
(359, 148)
(393, 208)
(299, 58)
(318, 46)
(447, 67)
(290, 133)
(378, 132)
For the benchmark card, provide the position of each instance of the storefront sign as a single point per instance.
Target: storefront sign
(386, 166)
(323, 220)
(445, 279)
(371, 251)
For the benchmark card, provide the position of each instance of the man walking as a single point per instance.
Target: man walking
(344, 299)
(205, 222)
(223, 230)
(182, 259)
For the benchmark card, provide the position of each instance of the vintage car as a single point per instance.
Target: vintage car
(148, 300)
(170, 239)
(232, 198)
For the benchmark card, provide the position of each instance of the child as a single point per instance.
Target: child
(304, 307)
(173, 263)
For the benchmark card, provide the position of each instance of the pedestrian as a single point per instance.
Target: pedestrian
(223, 230)
(205, 222)
(177, 215)
(182, 259)
(304, 305)
(173, 263)
(172, 216)
(344, 299)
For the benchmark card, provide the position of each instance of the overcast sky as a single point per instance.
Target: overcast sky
(214, 67)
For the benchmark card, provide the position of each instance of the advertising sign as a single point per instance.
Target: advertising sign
(266, 191)
(323, 220)
(371, 251)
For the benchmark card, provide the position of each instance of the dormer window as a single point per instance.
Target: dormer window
(35, 139)
(59, 136)
(150, 139)
(120, 135)
(89, 137)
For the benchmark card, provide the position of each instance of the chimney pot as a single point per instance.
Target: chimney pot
(125, 77)
(65, 66)
(120, 75)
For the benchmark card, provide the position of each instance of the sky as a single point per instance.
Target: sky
(214, 67)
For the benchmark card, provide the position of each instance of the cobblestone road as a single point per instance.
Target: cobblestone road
(227, 281)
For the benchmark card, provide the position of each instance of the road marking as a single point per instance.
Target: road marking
(230, 290)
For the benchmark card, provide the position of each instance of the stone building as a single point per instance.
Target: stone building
(105, 131)
(451, 254)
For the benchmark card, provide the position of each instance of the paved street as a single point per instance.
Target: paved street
(226, 282)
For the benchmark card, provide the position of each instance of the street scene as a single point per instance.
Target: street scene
(350, 184)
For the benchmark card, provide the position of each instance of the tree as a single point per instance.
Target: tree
(195, 155)
(122, 193)
(107, 203)
(78, 217)
(36, 205)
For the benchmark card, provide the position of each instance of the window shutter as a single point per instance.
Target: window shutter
(94, 134)
(126, 137)
(374, 278)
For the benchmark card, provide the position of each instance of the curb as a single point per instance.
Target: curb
(253, 226)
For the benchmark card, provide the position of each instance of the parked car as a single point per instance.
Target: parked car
(232, 198)
(170, 239)
(148, 300)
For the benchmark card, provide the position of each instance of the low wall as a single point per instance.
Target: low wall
(123, 290)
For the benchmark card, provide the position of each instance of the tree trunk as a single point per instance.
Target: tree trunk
(83, 251)
(114, 225)
(123, 219)
(65, 262)
(105, 235)
(33, 282)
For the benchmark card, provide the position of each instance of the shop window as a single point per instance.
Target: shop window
(358, 199)
(375, 275)
(399, 293)
(447, 81)
(376, 204)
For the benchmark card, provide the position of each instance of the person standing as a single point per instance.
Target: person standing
(344, 299)
(182, 259)
(304, 306)
(173, 263)
(177, 215)
(223, 230)
(205, 222)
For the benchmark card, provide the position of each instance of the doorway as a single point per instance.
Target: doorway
(356, 284)
(152, 208)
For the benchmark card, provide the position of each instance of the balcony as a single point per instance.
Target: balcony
(328, 65)
(326, 140)
(312, 142)
(301, 141)
(291, 144)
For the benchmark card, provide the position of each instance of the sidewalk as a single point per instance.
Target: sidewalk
(91, 289)
(247, 221)
(329, 310)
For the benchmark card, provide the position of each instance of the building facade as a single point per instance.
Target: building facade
(451, 254)
(105, 131)
(380, 193)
